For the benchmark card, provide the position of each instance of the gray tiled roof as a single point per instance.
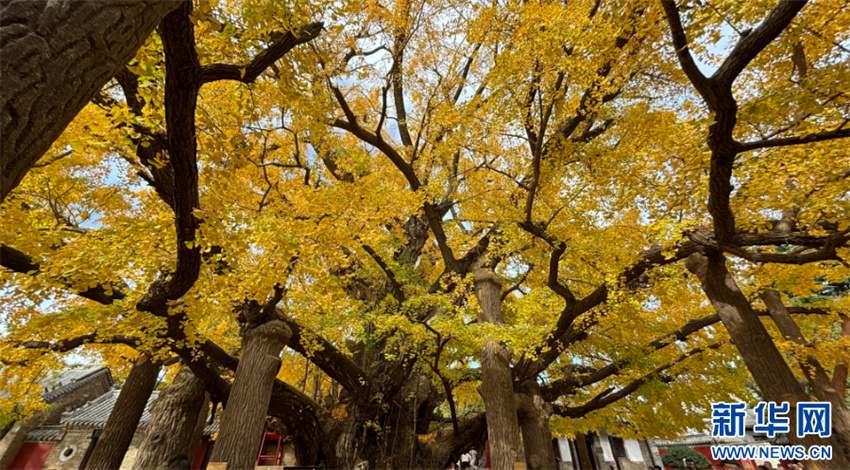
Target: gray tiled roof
(96, 412)
(46, 434)
(69, 380)
(212, 428)
(693, 440)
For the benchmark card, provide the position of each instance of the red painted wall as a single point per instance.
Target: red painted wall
(31, 456)
(198, 460)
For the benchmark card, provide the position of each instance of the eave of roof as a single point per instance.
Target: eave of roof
(95, 413)
(75, 383)
(46, 434)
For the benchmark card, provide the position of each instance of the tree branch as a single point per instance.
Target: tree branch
(798, 140)
(683, 52)
(22, 263)
(182, 83)
(327, 357)
(398, 293)
(250, 72)
(752, 44)
(66, 345)
(610, 396)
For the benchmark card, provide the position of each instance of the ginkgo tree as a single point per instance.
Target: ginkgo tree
(445, 207)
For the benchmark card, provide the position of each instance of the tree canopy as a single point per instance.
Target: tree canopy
(358, 171)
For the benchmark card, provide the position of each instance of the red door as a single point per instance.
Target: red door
(31, 456)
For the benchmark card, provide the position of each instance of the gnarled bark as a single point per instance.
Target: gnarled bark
(54, 56)
(414, 395)
(244, 417)
(448, 443)
(534, 414)
(109, 451)
(496, 385)
(174, 419)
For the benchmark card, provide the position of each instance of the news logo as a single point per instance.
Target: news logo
(772, 421)
(812, 418)
(727, 419)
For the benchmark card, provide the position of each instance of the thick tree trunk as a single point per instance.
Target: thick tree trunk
(496, 385)
(349, 442)
(342, 447)
(174, 417)
(756, 347)
(449, 444)
(815, 374)
(534, 414)
(404, 450)
(54, 57)
(404, 437)
(244, 416)
(124, 419)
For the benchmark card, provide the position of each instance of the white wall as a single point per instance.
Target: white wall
(633, 452)
(607, 453)
(564, 447)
